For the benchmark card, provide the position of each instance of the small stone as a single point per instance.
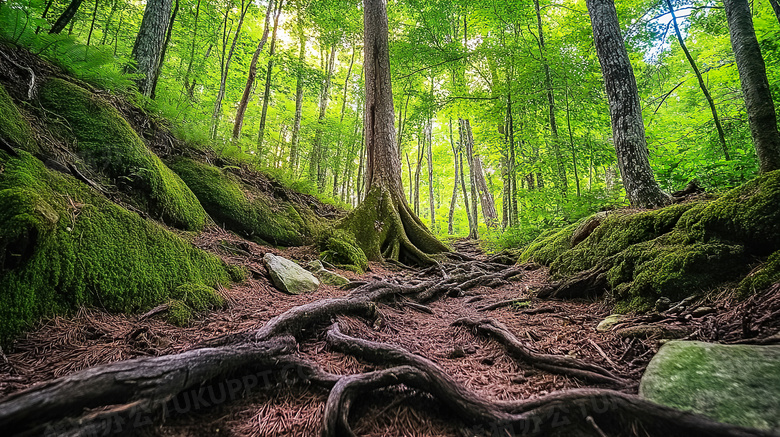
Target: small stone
(289, 276)
(326, 276)
(519, 379)
(663, 304)
(458, 352)
(470, 349)
(702, 311)
(609, 322)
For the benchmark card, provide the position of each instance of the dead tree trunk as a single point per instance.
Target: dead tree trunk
(250, 79)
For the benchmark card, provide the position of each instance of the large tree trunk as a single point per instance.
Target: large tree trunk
(627, 126)
(268, 75)
(68, 15)
(702, 85)
(755, 87)
(383, 224)
(225, 64)
(250, 79)
(560, 167)
(150, 41)
(296, 133)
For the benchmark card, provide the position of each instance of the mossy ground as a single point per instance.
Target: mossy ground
(677, 251)
(64, 246)
(189, 299)
(243, 209)
(14, 128)
(341, 249)
(109, 146)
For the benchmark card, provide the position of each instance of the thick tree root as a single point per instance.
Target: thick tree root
(551, 363)
(588, 284)
(85, 403)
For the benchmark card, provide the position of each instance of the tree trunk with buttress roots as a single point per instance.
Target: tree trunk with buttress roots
(383, 224)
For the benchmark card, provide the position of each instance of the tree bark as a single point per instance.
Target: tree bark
(66, 16)
(468, 141)
(454, 200)
(627, 126)
(776, 7)
(168, 35)
(268, 76)
(150, 41)
(702, 85)
(191, 89)
(571, 143)
(296, 133)
(561, 168)
(317, 170)
(383, 224)
(92, 25)
(755, 86)
(417, 170)
(341, 126)
(489, 213)
(250, 80)
(216, 115)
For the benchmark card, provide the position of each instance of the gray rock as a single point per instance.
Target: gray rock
(702, 311)
(325, 275)
(289, 276)
(663, 304)
(609, 322)
(737, 384)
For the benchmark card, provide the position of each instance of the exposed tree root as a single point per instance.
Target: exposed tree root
(551, 363)
(503, 303)
(590, 283)
(385, 228)
(85, 403)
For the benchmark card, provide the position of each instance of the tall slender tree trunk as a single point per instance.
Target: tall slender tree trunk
(252, 75)
(191, 89)
(466, 140)
(628, 129)
(411, 179)
(417, 170)
(473, 229)
(150, 41)
(341, 124)
(107, 24)
(489, 214)
(561, 168)
(317, 169)
(755, 86)
(702, 85)
(268, 77)
(431, 198)
(296, 133)
(454, 200)
(43, 15)
(216, 115)
(571, 143)
(68, 15)
(92, 25)
(168, 35)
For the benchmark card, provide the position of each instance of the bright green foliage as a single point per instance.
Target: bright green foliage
(191, 298)
(14, 128)
(341, 249)
(243, 209)
(109, 145)
(62, 246)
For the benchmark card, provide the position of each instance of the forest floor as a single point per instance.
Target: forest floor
(64, 345)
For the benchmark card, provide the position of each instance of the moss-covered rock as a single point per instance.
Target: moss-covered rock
(737, 384)
(110, 146)
(341, 249)
(242, 209)
(677, 251)
(190, 299)
(64, 246)
(14, 128)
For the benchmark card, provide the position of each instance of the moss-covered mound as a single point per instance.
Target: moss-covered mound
(188, 299)
(676, 251)
(244, 209)
(341, 249)
(13, 127)
(63, 246)
(109, 146)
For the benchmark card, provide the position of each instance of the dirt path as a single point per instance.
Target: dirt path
(62, 346)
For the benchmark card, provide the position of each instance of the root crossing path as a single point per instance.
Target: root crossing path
(457, 349)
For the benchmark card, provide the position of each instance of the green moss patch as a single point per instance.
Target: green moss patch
(190, 299)
(677, 251)
(64, 246)
(341, 249)
(243, 209)
(109, 146)
(13, 126)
